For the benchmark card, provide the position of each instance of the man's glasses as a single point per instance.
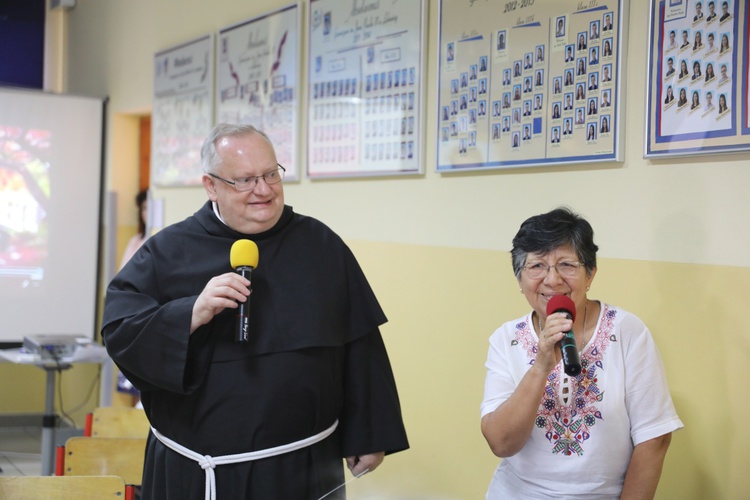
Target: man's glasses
(565, 269)
(245, 184)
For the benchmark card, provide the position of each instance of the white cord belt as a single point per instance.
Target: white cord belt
(208, 463)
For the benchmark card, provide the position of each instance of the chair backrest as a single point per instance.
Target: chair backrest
(62, 487)
(93, 456)
(112, 421)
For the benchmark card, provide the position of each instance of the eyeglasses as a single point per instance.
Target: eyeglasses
(245, 184)
(565, 269)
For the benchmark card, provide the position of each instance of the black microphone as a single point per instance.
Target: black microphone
(570, 357)
(244, 258)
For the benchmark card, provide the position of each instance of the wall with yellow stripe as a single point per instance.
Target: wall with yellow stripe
(673, 235)
(443, 304)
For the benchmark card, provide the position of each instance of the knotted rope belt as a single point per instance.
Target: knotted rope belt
(209, 463)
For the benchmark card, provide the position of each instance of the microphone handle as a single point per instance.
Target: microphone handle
(571, 358)
(243, 311)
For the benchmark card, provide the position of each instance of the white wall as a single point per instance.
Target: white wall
(434, 248)
(687, 210)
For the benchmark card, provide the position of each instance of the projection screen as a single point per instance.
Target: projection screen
(50, 213)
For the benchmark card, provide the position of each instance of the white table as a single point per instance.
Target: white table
(85, 353)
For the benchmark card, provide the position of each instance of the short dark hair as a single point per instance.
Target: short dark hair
(547, 232)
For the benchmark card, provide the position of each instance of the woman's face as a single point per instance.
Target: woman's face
(669, 92)
(724, 41)
(696, 67)
(683, 66)
(683, 95)
(539, 291)
(722, 100)
(695, 98)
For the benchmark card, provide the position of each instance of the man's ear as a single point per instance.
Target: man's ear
(210, 187)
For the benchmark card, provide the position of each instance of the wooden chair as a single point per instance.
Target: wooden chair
(119, 422)
(90, 456)
(62, 487)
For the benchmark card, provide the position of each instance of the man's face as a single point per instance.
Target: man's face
(671, 37)
(670, 63)
(249, 212)
(684, 36)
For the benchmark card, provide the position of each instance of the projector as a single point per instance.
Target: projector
(53, 346)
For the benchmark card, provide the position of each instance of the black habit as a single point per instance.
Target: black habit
(314, 355)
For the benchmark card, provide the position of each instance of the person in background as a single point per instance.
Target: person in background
(601, 434)
(271, 417)
(124, 385)
(141, 201)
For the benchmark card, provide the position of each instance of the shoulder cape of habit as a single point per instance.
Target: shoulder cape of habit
(307, 290)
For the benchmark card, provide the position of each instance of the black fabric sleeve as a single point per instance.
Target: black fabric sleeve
(151, 342)
(371, 420)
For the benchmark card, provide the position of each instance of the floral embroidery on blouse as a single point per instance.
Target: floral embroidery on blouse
(568, 426)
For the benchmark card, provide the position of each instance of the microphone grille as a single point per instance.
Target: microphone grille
(561, 302)
(244, 253)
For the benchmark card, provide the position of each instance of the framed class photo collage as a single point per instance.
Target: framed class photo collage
(529, 82)
(698, 78)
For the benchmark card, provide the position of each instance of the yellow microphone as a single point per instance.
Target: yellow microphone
(244, 258)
